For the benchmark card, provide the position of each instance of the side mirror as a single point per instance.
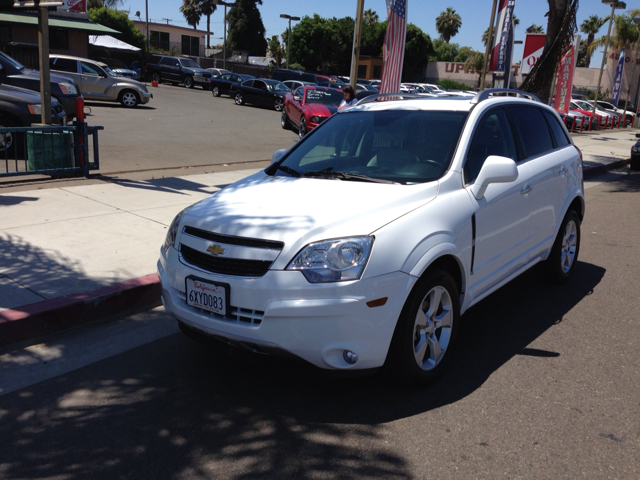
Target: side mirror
(278, 154)
(496, 169)
(297, 98)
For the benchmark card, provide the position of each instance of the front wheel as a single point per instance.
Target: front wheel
(302, 128)
(216, 91)
(129, 99)
(284, 120)
(277, 104)
(238, 99)
(426, 331)
(564, 253)
(188, 81)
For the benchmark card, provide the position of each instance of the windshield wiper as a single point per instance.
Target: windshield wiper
(288, 170)
(328, 172)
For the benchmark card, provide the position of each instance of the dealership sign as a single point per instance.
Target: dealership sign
(565, 81)
(533, 46)
(74, 5)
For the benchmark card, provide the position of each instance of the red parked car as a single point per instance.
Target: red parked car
(308, 106)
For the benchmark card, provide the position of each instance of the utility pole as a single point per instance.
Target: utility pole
(357, 34)
(224, 38)
(295, 19)
(487, 50)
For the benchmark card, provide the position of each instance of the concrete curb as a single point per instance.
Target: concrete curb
(50, 316)
(60, 313)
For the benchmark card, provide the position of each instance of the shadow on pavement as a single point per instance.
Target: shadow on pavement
(175, 185)
(9, 200)
(173, 408)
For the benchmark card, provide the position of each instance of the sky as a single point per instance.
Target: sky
(475, 16)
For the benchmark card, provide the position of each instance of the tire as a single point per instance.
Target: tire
(188, 81)
(238, 99)
(278, 103)
(425, 335)
(302, 128)
(155, 76)
(564, 253)
(215, 91)
(284, 120)
(129, 99)
(11, 144)
(634, 164)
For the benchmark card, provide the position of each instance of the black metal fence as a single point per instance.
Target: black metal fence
(51, 150)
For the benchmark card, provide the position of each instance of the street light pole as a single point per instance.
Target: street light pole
(224, 38)
(283, 15)
(614, 4)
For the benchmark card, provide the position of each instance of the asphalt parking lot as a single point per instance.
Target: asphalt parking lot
(185, 128)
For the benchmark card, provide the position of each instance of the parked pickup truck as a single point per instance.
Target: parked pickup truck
(164, 68)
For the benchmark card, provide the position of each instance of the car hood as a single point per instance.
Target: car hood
(34, 75)
(198, 70)
(297, 211)
(320, 109)
(11, 94)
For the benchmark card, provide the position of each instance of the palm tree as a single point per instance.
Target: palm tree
(627, 33)
(535, 29)
(371, 17)
(191, 11)
(485, 35)
(475, 61)
(591, 26)
(207, 7)
(448, 24)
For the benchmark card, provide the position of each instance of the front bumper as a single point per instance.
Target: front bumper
(145, 97)
(69, 104)
(282, 311)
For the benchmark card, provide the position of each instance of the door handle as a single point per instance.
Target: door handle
(563, 171)
(527, 189)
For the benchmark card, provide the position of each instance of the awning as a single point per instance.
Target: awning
(107, 41)
(57, 22)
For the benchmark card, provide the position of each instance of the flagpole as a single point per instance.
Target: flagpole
(487, 50)
(357, 34)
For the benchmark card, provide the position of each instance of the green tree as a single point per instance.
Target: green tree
(104, 3)
(448, 24)
(626, 34)
(534, 29)
(322, 44)
(246, 30)
(276, 51)
(191, 12)
(119, 21)
(443, 51)
(416, 51)
(591, 26)
(475, 62)
(370, 17)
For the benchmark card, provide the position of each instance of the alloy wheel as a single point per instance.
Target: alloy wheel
(277, 104)
(432, 328)
(302, 129)
(129, 99)
(569, 245)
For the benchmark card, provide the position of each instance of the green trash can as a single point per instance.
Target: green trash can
(50, 150)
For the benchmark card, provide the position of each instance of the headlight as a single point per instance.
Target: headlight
(316, 119)
(172, 233)
(337, 260)
(68, 88)
(35, 109)
(634, 149)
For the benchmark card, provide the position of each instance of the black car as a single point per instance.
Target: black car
(283, 74)
(165, 68)
(223, 85)
(261, 91)
(21, 108)
(634, 164)
(64, 89)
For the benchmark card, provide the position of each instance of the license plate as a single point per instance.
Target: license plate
(213, 297)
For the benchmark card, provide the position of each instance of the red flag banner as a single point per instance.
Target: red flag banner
(565, 81)
(501, 36)
(394, 41)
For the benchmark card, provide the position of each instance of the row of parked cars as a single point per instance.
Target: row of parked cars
(581, 114)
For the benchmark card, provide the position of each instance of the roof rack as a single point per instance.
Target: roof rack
(503, 92)
(380, 97)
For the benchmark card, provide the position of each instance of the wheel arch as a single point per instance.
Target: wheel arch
(444, 256)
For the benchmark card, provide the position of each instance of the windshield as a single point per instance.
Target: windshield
(186, 62)
(109, 71)
(12, 62)
(278, 87)
(402, 146)
(325, 97)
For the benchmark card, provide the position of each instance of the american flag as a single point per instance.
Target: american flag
(394, 41)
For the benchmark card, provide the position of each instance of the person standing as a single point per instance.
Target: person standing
(349, 99)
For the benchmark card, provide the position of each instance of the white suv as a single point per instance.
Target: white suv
(362, 244)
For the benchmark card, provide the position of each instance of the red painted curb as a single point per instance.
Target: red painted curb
(59, 313)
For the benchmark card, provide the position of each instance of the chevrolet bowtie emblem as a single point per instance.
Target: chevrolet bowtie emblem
(215, 250)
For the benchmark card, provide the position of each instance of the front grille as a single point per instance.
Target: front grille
(231, 240)
(225, 266)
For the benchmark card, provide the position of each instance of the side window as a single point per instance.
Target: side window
(557, 130)
(89, 69)
(64, 65)
(247, 83)
(258, 84)
(532, 129)
(492, 137)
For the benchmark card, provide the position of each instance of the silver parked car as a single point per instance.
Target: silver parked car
(98, 82)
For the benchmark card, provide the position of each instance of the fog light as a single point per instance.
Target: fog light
(350, 357)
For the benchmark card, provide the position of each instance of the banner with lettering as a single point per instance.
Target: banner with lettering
(564, 82)
(501, 38)
(617, 81)
(533, 47)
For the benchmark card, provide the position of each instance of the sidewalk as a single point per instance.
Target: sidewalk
(74, 254)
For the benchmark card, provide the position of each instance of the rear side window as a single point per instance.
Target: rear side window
(247, 83)
(557, 130)
(259, 84)
(532, 129)
(64, 65)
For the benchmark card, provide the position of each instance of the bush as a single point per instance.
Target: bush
(454, 85)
